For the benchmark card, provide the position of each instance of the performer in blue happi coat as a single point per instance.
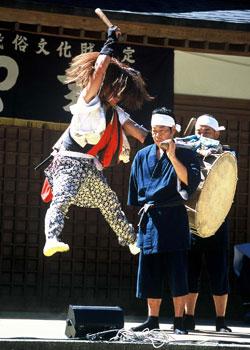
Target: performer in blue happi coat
(160, 182)
(213, 250)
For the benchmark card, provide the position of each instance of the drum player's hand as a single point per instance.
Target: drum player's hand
(171, 150)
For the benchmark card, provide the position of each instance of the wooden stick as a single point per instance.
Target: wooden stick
(103, 17)
(190, 127)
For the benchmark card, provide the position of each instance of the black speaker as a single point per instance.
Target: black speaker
(83, 320)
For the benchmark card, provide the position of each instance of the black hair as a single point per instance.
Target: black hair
(126, 83)
(164, 110)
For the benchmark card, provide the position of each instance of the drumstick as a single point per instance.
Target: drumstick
(190, 127)
(165, 145)
(103, 17)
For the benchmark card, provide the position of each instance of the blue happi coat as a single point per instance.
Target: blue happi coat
(164, 227)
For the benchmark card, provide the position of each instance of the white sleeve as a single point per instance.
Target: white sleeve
(123, 116)
(81, 105)
(181, 190)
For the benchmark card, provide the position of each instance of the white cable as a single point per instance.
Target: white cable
(156, 337)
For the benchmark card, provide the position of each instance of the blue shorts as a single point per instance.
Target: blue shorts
(154, 269)
(216, 265)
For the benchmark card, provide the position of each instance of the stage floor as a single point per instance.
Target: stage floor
(30, 328)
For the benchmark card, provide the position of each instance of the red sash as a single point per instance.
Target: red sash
(46, 192)
(109, 146)
(108, 150)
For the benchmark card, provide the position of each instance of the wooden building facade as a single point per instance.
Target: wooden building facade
(97, 270)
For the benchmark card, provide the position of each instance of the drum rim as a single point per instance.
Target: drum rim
(214, 165)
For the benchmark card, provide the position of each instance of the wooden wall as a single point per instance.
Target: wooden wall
(96, 270)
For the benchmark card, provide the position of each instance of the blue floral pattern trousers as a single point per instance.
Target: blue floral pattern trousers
(76, 181)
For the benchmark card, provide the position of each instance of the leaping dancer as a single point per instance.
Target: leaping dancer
(95, 139)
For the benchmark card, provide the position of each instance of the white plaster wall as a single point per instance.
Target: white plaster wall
(212, 75)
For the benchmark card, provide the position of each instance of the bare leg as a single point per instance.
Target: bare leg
(191, 303)
(154, 307)
(179, 305)
(220, 303)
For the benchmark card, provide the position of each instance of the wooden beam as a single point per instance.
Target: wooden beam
(145, 34)
(130, 28)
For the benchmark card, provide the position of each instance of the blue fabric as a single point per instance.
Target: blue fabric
(240, 250)
(196, 142)
(155, 181)
(154, 269)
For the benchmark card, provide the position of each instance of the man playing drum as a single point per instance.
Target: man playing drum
(214, 249)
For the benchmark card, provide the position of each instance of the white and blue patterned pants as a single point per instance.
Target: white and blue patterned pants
(76, 181)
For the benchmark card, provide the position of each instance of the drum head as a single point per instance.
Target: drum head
(217, 195)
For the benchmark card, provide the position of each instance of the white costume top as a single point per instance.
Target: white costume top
(87, 126)
(88, 121)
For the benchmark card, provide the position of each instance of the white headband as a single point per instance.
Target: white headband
(210, 121)
(164, 119)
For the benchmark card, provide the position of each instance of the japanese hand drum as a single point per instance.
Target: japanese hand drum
(209, 205)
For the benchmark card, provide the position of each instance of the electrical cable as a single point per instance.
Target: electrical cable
(155, 337)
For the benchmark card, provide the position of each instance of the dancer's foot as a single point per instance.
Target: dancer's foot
(53, 246)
